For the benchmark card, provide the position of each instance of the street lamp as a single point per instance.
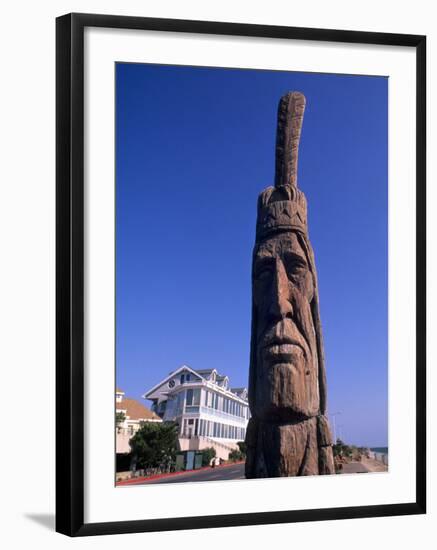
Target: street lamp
(333, 424)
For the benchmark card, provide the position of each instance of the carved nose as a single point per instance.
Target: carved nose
(280, 305)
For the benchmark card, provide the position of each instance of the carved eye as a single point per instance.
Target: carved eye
(263, 271)
(296, 267)
(263, 274)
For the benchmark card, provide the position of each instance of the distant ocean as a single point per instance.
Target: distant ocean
(383, 450)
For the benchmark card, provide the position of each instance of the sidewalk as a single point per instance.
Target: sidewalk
(365, 465)
(374, 465)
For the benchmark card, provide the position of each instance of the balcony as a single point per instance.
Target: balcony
(222, 414)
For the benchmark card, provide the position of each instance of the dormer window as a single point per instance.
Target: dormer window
(182, 378)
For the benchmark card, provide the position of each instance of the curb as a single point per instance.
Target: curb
(173, 474)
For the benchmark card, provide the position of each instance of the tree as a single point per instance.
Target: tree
(207, 455)
(120, 417)
(155, 445)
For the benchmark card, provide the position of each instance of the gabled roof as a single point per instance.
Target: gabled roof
(239, 391)
(205, 371)
(135, 410)
(167, 378)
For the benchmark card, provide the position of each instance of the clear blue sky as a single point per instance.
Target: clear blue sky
(194, 148)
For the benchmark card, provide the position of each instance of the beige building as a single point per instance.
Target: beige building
(134, 415)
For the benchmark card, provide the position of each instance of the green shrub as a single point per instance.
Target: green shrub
(207, 455)
(236, 455)
(243, 447)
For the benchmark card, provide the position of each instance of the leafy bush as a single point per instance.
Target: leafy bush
(343, 451)
(207, 455)
(236, 455)
(243, 447)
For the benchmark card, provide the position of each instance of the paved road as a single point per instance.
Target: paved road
(354, 468)
(235, 471)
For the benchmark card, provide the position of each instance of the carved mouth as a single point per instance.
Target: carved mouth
(283, 343)
(283, 351)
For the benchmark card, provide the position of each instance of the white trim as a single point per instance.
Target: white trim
(174, 373)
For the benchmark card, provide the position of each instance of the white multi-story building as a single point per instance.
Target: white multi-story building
(209, 413)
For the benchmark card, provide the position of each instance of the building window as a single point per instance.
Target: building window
(182, 378)
(193, 398)
(196, 397)
(189, 400)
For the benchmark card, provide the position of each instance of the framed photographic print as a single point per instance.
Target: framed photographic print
(240, 274)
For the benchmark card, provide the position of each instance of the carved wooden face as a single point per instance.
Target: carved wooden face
(286, 373)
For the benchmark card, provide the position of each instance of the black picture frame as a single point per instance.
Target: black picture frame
(70, 273)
